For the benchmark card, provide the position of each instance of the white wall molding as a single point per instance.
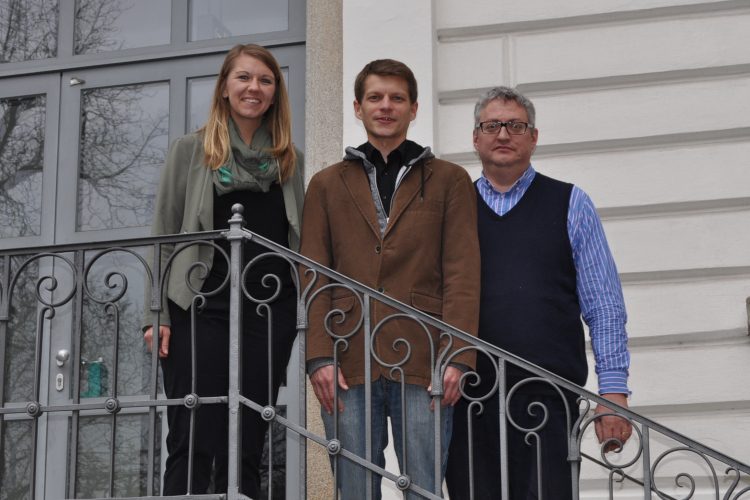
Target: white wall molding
(684, 275)
(676, 208)
(627, 144)
(732, 336)
(585, 21)
(694, 409)
(550, 88)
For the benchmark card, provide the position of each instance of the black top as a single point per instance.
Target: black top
(387, 172)
(264, 214)
(529, 304)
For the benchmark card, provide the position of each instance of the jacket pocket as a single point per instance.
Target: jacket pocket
(343, 303)
(427, 303)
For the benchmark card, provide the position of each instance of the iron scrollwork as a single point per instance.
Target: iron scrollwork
(341, 325)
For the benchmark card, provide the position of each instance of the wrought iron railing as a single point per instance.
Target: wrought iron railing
(77, 261)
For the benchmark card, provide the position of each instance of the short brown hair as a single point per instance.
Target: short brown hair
(385, 67)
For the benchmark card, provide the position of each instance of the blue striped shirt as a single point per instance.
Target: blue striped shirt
(598, 284)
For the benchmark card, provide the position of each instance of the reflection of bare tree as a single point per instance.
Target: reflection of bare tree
(15, 460)
(131, 446)
(96, 28)
(21, 153)
(15, 473)
(99, 328)
(123, 145)
(124, 131)
(28, 30)
(21, 336)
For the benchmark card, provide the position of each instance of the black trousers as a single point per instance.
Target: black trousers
(211, 420)
(523, 471)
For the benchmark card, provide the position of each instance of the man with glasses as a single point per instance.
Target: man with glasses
(545, 264)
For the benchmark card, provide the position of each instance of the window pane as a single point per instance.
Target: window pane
(28, 29)
(21, 334)
(103, 25)
(131, 452)
(15, 474)
(225, 18)
(124, 140)
(200, 93)
(100, 326)
(21, 160)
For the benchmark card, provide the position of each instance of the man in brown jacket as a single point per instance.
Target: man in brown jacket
(394, 218)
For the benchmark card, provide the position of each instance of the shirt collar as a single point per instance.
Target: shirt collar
(522, 183)
(369, 151)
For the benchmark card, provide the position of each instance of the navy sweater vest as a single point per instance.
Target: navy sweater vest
(529, 305)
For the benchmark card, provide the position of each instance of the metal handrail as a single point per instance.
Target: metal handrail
(236, 235)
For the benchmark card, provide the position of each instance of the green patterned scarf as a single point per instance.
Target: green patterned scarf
(247, 168)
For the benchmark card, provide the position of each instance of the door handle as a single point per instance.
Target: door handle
(62, 356)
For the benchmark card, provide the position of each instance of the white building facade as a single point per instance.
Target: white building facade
(645, 105)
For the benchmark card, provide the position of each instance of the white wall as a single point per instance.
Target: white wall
(663, 88)
(380, 30)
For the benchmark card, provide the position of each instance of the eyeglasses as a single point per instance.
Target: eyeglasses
(513, 128)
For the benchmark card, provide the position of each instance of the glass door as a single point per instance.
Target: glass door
(80, 156)
(29, 111)
(115, 128)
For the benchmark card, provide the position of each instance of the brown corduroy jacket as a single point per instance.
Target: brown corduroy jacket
(428, 258)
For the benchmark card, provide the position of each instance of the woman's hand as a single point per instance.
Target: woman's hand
(164, 333)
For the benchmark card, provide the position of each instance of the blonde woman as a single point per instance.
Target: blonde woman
(244, 154)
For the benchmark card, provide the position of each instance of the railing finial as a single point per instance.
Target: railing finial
(236, 222)
(237, 210)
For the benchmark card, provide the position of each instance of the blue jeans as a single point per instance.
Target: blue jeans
(420, 436)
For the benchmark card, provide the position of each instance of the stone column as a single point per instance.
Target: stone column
(323, 147)
(324, 86)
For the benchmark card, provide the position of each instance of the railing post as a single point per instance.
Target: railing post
(235, 237)
(575, 473)
(501, 394)
(574, 451)
(302, 327)
(368, 396)
(437, 394)
(646, 462)
(76, 371)
(156, 296)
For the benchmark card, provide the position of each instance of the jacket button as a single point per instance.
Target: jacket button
(381, 289)
(377, 249)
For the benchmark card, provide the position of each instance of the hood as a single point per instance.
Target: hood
(355, 154)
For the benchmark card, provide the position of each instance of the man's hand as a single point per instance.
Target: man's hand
(322, 381)
(164, 333)
(450, 387)
(610, 426)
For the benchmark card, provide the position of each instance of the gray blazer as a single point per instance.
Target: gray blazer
(185, 204)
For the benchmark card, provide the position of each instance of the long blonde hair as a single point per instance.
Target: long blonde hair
(278, 117)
